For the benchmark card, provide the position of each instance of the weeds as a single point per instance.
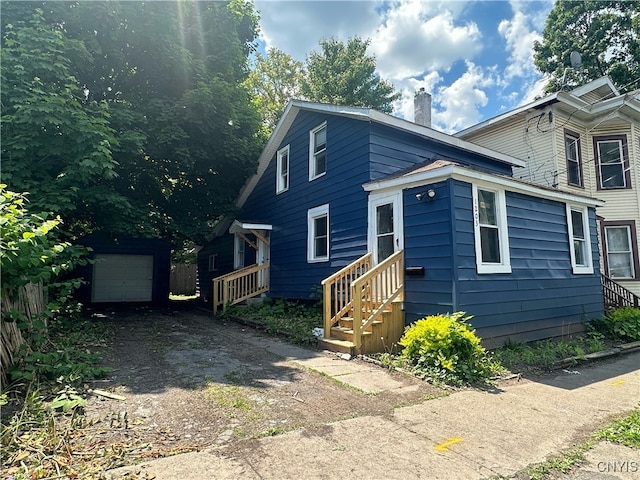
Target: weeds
(39, 439)
(295, 321)
(625, 431)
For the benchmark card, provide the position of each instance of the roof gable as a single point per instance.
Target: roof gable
(362, 114)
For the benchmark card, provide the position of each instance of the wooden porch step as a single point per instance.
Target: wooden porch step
(339, 346)
(345, 333)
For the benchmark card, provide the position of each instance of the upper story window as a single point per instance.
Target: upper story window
(490, 229)
(621, 250)
(318, 152)
(579, 239)
(213, 262)
(318, 234)
(282, 168)
(612, 162)
(574, 158)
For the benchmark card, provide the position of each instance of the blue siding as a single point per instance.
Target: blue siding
(223, 247)
(427, 243)
(341, 188)
(541, 293)
(393, 150)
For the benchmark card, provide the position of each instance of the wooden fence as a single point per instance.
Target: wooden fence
(183, 279)
(30, 301)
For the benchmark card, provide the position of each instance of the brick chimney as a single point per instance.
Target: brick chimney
(422, 108)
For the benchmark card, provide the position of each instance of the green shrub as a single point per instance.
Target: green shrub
(619, 324)
(445, 348)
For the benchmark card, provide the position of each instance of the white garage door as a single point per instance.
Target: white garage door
(122, 278)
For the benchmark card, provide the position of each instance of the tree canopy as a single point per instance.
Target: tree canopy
(343, 74)
(275, 79)
(129, 117)
(605, 32)
(340, 73)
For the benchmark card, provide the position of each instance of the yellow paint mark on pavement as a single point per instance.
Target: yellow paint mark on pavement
(444, 446)
(618, 383)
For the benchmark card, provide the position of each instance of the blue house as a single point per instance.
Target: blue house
(393, 221)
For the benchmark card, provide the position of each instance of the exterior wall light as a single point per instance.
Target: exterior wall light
(429, 195)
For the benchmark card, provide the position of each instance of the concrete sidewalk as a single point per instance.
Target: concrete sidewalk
(467, 435)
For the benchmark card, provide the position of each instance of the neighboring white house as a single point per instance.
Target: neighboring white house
(585, 141)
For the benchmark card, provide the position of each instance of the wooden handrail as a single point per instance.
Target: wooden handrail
(616, 296)
(336, 291)
(374, 291)
(240, 285)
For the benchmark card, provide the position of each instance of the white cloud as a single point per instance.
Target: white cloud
(437, 45)
(296, 27)
(519, 36)
(461, 100)
(417, 37)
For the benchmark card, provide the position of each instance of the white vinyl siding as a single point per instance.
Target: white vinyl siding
(318, 152)
(318, 234)
(579, 240)
(490, 231)
(282, 173)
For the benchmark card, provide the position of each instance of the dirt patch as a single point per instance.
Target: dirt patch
(190, 381)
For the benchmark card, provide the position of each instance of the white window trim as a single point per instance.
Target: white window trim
(580, 269)
(238, 242)
(312, 214)
(503, 233)
(376, 200)
(312, 158)
(280, 180)
(213, 262)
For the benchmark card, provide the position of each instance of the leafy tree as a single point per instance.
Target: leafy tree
(166, 80)
(343, 74)
(275, 79)
(54, 144)
(605, 33)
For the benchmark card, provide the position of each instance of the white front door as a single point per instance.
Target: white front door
(385, 225)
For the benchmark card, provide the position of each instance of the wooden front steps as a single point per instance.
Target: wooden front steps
(381, 336)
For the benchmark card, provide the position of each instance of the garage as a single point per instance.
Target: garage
(125, 269)
(122, 278)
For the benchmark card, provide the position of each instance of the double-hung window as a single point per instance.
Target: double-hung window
(318, 234)
(282, 175)
(574, 158)
(490, 230)
(612, 162)
(621, 250)
(579, 239)
(318, 152)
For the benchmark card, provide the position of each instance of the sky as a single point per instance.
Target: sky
(474, 57)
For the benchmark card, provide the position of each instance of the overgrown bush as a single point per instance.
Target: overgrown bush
(621, 323)
(445, 348)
